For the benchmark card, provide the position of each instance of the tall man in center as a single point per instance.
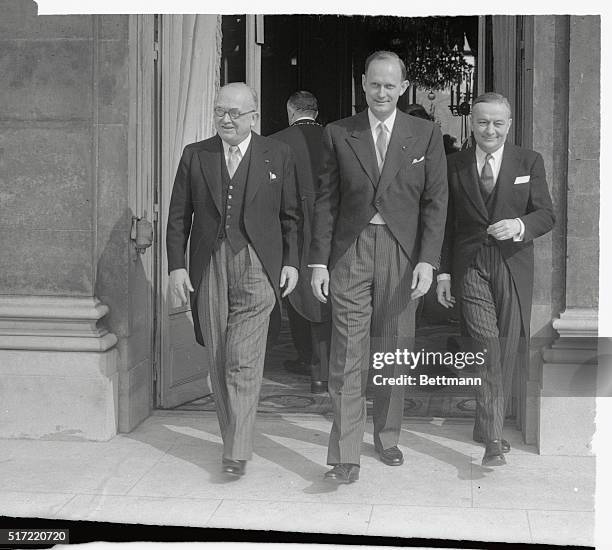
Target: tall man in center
(377, 235)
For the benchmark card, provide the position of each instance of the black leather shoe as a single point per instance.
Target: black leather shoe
(391, 456)
(297, 367)
(343, 473)
(494, 455)
(504, 444)
(234, 467)
(318, 386)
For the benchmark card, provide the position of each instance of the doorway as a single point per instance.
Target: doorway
(325, 54)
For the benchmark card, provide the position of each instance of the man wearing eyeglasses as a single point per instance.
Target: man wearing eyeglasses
(234, 197)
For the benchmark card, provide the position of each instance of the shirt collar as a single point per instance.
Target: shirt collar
(243, 146)
(481, 155)
(388, 122)
(303, 118)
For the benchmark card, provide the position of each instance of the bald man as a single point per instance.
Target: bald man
(234, 195)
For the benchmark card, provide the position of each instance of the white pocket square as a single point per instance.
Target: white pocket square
(272, 176)
(521, 179)
(418, 160)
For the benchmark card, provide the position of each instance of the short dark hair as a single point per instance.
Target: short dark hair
(303, 101)
(384, 54)
(492, 97)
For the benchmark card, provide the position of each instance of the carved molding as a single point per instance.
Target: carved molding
(577, 342)
(54, 324)
(577, 323)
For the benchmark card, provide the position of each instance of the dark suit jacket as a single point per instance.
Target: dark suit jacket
(271, 213)
(411, 194)
(468, 217)
(305, 140)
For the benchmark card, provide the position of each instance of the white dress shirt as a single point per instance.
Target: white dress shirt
(496, 160)
(243, 146)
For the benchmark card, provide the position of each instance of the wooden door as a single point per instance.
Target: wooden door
(188, 70)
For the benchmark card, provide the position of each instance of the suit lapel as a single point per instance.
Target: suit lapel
(362, 145)
(259, 167)
(468, 177)
(210, 164)
(400, 148)
(505, 179)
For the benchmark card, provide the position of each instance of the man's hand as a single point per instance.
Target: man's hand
(180, 284)
(504, 229)
(289, 276)
(443, 292)
(320, 283)
(421, 280)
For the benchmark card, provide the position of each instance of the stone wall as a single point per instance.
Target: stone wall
(550, 126)
(566, 403)
(582, 288)
(65, 224)
(63, 156)
(546, 106)
(47, 168)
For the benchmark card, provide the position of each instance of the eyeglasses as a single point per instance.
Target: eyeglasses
(233, 113)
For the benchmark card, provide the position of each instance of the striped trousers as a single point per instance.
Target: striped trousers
(234, 304)
(491, 319)
(371, 312)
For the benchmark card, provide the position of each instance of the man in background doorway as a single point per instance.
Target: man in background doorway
(377, 233)
(309, 319)
(234, 200)
(498, 204)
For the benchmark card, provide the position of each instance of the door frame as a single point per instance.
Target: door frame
(145, 161)
(136, 404)
(254, 40)
(173, 334)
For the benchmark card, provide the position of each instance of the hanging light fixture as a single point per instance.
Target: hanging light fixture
(461, 92)
(461, 95)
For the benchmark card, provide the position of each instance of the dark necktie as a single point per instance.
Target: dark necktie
(487, 179)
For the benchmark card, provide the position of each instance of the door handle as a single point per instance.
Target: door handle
(141, 233)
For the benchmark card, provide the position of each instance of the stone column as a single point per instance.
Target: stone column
(65, 225)
(58, 367)
(567, 395)
(546, 106)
